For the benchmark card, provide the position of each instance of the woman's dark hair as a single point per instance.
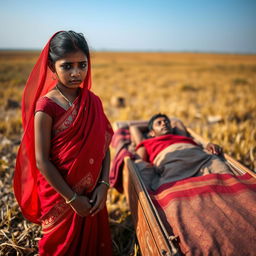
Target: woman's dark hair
(153, 118)
(66, 42)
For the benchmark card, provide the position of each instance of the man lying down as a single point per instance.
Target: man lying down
(174, 154)
(209, 214)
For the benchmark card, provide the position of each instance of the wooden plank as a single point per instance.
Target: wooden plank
(145, 237)
(152, 238)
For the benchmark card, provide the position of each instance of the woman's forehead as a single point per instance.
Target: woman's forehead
(77, 56)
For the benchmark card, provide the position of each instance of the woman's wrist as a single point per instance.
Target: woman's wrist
(72, 199)
(104, 183)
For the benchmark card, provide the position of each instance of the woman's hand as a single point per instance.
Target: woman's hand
(214, 149)
(98, 198)
(81, 206)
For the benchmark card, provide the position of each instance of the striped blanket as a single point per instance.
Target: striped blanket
(213, 214)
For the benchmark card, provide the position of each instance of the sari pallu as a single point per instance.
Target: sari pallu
(210, 215)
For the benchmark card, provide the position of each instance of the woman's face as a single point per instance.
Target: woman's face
(72, 69)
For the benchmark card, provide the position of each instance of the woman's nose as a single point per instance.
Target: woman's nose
(75, 72)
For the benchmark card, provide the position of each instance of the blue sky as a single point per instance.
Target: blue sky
(155, 25)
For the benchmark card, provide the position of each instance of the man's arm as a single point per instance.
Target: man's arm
(214, 149)
(178, 127)
(136, 134)
(137, 137)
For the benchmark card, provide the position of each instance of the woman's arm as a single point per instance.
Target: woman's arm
(43, 126)
(105, 167)
(99, 195)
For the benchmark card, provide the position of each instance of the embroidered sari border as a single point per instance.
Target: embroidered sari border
(61, 210)
(68, 113)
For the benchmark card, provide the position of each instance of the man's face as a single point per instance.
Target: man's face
(161, 126)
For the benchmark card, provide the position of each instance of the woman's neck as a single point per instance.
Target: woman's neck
(69, 92)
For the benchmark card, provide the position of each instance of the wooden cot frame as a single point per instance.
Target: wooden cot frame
(152, 235)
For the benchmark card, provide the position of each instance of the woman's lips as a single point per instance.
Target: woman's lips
(75, 81)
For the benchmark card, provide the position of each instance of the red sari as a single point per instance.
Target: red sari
(78, 146)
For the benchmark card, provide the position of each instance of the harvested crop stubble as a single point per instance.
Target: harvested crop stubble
(212, 93)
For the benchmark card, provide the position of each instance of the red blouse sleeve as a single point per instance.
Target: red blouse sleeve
(45, 105)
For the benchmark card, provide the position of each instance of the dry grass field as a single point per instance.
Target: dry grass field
(212, 93)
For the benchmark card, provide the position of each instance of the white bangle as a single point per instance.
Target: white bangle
(72, 199)
(104, 182)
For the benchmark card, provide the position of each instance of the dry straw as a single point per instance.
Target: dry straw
(213, 94)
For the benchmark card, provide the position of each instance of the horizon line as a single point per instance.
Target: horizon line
(144, 51)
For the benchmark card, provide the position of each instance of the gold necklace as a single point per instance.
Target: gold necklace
(69, 102)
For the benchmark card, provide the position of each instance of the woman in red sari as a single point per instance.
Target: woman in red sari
(61, 176)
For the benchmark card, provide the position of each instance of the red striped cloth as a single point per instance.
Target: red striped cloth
(213, 214)
(120, 142)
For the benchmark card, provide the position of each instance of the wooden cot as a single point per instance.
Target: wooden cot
(153, 238)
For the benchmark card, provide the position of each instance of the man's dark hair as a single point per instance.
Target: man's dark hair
(153, 118)
(66, 42)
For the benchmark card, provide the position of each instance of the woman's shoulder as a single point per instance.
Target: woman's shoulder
(43, 101)
(50, 102)
(45, 104)
(95, 97)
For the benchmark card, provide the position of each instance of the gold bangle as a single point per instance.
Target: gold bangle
(104, 182)
(72, 199)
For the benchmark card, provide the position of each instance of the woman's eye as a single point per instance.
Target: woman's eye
(83, 65)
(66, 66)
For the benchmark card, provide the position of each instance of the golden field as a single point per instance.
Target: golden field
(214, 94)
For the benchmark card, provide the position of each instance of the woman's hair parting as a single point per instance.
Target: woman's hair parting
(153, 118)
(66, 42)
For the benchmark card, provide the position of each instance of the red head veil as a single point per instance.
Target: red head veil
(39, 83)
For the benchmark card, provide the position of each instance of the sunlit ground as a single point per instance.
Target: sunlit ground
(212, 93)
